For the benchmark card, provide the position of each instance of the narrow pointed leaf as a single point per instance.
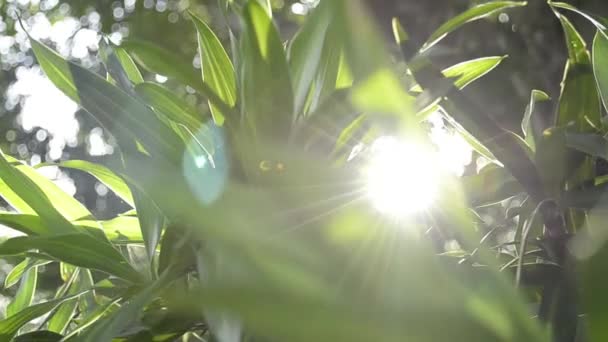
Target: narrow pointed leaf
(9, 326)
(27, 224)
(306, 50)
(217, 69)
(594, 145)
(109, 326)
(600, 66)
(128, 65)
(267, 96)
(42, 203)
(167, 103)
(13, 277)
(151, 222)
(25, 294)
(76, 249)
(121, 229)
(62, 315)
(600, 23)
(63, 202)
(528, 126)
(115, 68)
(124, 116)
(579, 102)
(14, 200)
(469, 71)
(161, 61)
(104, 175)
(472, 14)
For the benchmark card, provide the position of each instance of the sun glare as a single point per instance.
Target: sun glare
(402, 178)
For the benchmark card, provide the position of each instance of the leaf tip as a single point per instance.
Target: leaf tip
(399, 33)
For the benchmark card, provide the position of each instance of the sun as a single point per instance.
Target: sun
(402, 177)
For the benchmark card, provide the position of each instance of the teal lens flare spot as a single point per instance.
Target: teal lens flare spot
(206, 165)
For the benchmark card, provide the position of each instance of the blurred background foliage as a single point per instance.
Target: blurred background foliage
(38, 124)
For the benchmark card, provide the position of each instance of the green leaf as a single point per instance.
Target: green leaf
(472, 14)
(25, 223)
(13, 277)
(116, 69)
(64, 203)
(99, 312)
(216, 67)
(28, 187)
(14, 200)
(161, 61)
(600, 67)
(594, 145)
(124, 116)
(307, 50)
(121, 229)
(87, 303)
(267, 96)
(600, 23)
(527, 125)
(104, 175)
(9, 326)
(579, 103)
(168, 104)
(577, 49)
(108, 327)
(151, 222)
(128, 65)
(60, 319)
(76, 249)
(552, 154)
(448, 113)
(25, 294)
(176, 252)
(469, 71)
(38, 336)
(493, 184)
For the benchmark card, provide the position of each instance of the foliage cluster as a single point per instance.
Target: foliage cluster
(249, 224)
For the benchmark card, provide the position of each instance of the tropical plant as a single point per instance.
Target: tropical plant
(250, 224)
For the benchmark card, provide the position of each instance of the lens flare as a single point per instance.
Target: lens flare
(401, 178)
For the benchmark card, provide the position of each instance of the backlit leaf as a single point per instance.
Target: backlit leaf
(124, 116)
(9, 326)
(216, 67)
(600, 67)
(306, 52)
(104, 175)
(528, 125)
(163, 62)
(42, 203)
(76, 249)
(267, 97)
(469, 71)
(472, 14)
(13, 276)
(25, 294)
(151, 222)
(167, 103)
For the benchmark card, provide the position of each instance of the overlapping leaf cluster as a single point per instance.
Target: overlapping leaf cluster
(250, 225)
